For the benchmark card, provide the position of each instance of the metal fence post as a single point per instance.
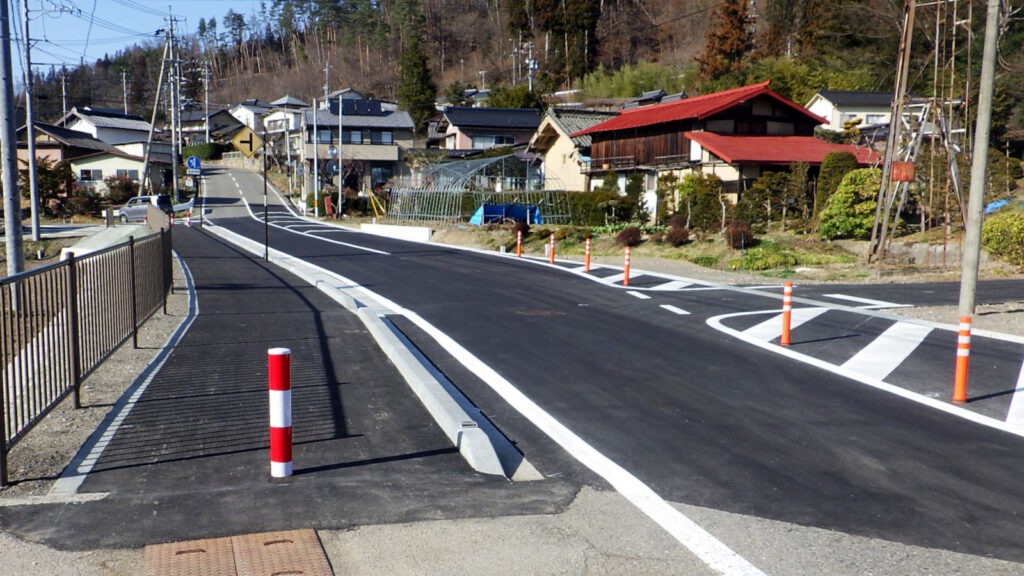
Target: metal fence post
(163, 266)
(134, 296)
(76, 369)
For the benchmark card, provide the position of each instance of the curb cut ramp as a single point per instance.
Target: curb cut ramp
(292, 553)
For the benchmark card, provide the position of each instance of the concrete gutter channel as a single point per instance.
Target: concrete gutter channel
(483, 446)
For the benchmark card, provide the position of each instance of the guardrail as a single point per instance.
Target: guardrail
(60, 322)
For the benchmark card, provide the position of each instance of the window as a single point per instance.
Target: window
(483, 142)
(380, 137)
(323, 136)
(90, 175)
(352, 137)
(876, 119)
(132, 175)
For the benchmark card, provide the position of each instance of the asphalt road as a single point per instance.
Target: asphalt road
(699, 416)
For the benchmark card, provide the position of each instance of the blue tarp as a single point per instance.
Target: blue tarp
(497, 212)
(993, 206)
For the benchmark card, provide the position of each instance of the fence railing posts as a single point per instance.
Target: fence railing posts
(73, 332)
(134, 296)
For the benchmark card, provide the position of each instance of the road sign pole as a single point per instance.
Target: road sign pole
(266, 220)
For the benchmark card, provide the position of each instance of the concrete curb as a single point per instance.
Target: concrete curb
(483, 446)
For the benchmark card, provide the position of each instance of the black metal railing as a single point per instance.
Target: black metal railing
(60, 322)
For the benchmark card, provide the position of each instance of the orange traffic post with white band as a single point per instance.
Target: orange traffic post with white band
(625, 269)
(586, 256)
(551, 251)
(963, 360)
(519, 243)
(787, 311)
(279, 370)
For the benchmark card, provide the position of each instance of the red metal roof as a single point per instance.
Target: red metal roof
(690, 108)
(775, 149)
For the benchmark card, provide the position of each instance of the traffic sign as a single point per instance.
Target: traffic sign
(192, 163)
(247, 142)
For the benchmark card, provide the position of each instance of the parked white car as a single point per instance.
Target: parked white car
(136, 207)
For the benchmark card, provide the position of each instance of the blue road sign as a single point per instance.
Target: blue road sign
(193, 162)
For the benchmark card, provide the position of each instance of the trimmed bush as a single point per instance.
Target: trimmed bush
(658, 236)
(211, 151)
(850, 212)
(521, 226)
(629, 237)
(705, 261)
(738, 233)
(1003, 236)
(677, 236)
(677, 221)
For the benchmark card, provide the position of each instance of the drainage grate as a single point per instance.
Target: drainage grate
(292, 553)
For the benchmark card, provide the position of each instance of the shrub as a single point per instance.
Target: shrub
(834, 167)
(1003, 236)
(765, 258)
(572, 233)
(521, 226)
(677, 221)
(677, 236)
(213, 150)
(629, 237)
(84, 201)
(120, 189)
(705, 261)
(658, 236)
(850, 212)
(738, 233)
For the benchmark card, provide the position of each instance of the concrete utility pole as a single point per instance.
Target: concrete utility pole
(124, 89)
(152, 124)
(316, 172)
(174, 107)
(63, 91)
(979, 165)
(206, 100)
(9, 149)
(30, 133)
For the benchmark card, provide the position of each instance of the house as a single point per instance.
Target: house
(482, 128)
(93, 169)
(223, 126)
(108, 125)
(57, 144)
(364, 136)
(736, 134)
(840, 106)
(250, 113)
(566, 158)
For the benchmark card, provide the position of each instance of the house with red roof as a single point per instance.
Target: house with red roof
(736, 134)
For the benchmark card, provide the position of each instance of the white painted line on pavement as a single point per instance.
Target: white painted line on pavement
(884, 354)
(716, 323)
(639, 295)
(673, 285)
(616, 278)
(1015, 415)
(674, 310)
(871, 304)
(771, 328)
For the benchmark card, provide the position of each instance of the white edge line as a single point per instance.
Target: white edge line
(81, 465)
(716, 323)
(705, 546)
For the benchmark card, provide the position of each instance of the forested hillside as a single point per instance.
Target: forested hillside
(608, 48)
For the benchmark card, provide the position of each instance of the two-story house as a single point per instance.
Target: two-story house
(222, 126)
(362, 140)
(482, 128)
(736, 134)
(108, 125)
(566, 158)
(840, 106)
(250, 113)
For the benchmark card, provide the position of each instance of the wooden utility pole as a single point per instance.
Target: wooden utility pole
(979, 165)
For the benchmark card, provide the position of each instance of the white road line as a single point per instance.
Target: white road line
(639, 295)
(674, 310)
(717, 323)
(771, 328)
(871, 304)
(615, 278)
(673, 285)
(1015, 415)
(884, 354)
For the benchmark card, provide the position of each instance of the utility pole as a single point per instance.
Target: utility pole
(9, 149)
(316, 160)
(979, 165)
(30, 133)
(327, 80)
(174, 107)
(881, 225)
(63, 91)
(152, 122)
(124, 89)
(206, 99)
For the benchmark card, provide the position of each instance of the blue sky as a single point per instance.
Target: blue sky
(73, 31)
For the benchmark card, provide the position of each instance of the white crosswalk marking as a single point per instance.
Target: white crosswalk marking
(673, 285)
(1015, 415)
(772, 328)
(674, 309)
(618, 277)
(870, 304)
(639, 295)
(885, 353)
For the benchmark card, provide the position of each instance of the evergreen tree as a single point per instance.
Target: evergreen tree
(727, 43)
(502, 96)
(416, 90)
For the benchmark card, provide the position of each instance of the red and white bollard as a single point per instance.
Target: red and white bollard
(519, 243)
(551, 251)
(586, 256)
(170, 221)
(787, 311)
(963, 360)
(145, 220)
(188, 219)
(625, 269)
(279, 371)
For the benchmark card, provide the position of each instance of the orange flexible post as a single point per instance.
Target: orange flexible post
(787, 311)
(519, 243)
(586, 256)
(963, 360)
(551, 253)
(625, 270)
